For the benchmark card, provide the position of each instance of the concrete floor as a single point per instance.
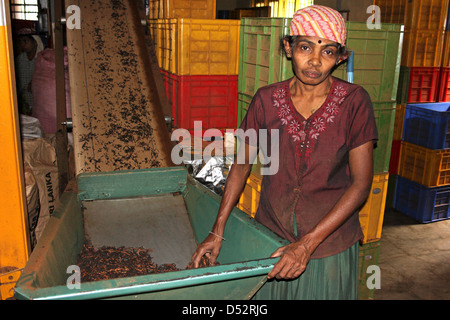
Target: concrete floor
(414, 259)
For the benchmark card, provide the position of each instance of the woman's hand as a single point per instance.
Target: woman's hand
(294, 258)
(211, 247)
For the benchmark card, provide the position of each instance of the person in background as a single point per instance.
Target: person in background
(30, 45)
(327, 133)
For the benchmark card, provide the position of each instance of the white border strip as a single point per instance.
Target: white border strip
(3, 19)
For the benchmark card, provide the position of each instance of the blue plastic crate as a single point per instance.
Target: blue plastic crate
(421, 203)
(427, 125)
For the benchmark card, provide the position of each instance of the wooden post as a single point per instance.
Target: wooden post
(61, 116)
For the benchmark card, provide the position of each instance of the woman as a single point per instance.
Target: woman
(30, 46)
(326, 137)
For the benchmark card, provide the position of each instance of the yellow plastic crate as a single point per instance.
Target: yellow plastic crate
(249, 200)
(426, 14)
(192, 9)
(399, 120)
(371, 214)
(416, 14)
(197, 46)
(427, 167)
(164, 42)
(392, 11)
(156, 9)
(422, 48)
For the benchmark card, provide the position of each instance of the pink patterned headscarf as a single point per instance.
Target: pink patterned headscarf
(319, 21)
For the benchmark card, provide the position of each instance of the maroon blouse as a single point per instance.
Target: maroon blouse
(313, 171)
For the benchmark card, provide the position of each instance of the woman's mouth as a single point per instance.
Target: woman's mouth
(312, 74)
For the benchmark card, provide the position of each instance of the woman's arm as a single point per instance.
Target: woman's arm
(295, 256)
(234, 185)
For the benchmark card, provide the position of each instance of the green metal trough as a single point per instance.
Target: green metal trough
(162, 209)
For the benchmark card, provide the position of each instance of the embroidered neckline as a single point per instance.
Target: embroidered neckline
(307, 131)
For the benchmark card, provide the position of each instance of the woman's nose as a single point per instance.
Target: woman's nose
(314, 59)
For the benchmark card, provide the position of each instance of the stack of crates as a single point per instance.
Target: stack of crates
(422, 187)
(417, 168)
(425, 62)
(377, 54)
(198, 58)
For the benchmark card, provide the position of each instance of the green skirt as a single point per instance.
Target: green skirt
(330, 278)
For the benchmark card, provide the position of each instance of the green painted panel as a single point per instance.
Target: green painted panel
(129, 183)
(261, 61)
(385, 118)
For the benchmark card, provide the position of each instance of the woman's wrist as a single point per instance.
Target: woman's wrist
(310, 243)
(217, 235)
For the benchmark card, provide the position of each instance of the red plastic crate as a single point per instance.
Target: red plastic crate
(444, 85)
(423, 84)
(210, 99)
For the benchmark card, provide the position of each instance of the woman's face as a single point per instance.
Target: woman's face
(27, 44)
(313, 58)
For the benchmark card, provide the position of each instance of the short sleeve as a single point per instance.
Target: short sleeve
(252, 122)
(363, 126)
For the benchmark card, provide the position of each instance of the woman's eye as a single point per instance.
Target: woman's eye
(304, 48)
